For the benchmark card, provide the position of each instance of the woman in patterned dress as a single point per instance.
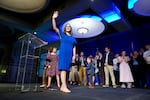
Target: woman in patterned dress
(67, 51)
(52, 66)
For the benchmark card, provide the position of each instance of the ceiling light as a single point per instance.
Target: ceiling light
(85, 26)
(82, 30)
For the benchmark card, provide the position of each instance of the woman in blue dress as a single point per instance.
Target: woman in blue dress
(67, 51)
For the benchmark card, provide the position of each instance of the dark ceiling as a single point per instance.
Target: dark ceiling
(15, 24)
(133, 19)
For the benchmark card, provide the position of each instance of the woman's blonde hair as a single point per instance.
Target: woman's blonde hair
(70, 32)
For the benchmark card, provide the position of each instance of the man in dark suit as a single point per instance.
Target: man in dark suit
(108, 67)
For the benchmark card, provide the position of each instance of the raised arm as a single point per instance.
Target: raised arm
(54, 16)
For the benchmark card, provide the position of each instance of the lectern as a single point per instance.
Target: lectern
(27, 73)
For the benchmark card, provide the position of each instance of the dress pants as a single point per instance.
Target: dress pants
(108, 69)
(82, 75)
(73, 75)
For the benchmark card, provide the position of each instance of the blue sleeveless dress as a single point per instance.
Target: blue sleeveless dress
(66, 51)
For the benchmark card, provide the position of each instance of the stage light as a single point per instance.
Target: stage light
(110, 16)
(131, 3)
(35, 33)
(3, 71)
(91, 16)
(96, 18)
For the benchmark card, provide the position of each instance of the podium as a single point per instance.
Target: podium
(27, 73)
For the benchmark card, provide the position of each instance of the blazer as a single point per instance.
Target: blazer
(84, 60)
(110, 58)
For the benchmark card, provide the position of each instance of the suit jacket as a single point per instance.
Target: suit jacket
(110, 58)
(84, 60)
(140, 61)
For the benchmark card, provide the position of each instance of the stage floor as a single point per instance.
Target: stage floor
(8, 92)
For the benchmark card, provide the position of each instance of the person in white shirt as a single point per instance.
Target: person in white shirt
(116, 68)
(146, 56)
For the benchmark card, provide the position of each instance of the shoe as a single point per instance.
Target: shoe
(91, 87)
(42, 86)
(114, 86)
(71, 83)
(101, 85)
(47, 87)
(96, 83)
(52, 89)
(129, 85)
(123, 86)
(65, 90)
(105, 86)
(84, 84)
(58, 87)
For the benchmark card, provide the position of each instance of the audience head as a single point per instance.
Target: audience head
(107, 49)
(52, 49)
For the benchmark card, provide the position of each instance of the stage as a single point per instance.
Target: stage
(8, 92)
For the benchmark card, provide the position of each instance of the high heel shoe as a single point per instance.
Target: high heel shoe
(65, 90)
(58, 87)
(47, 87)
